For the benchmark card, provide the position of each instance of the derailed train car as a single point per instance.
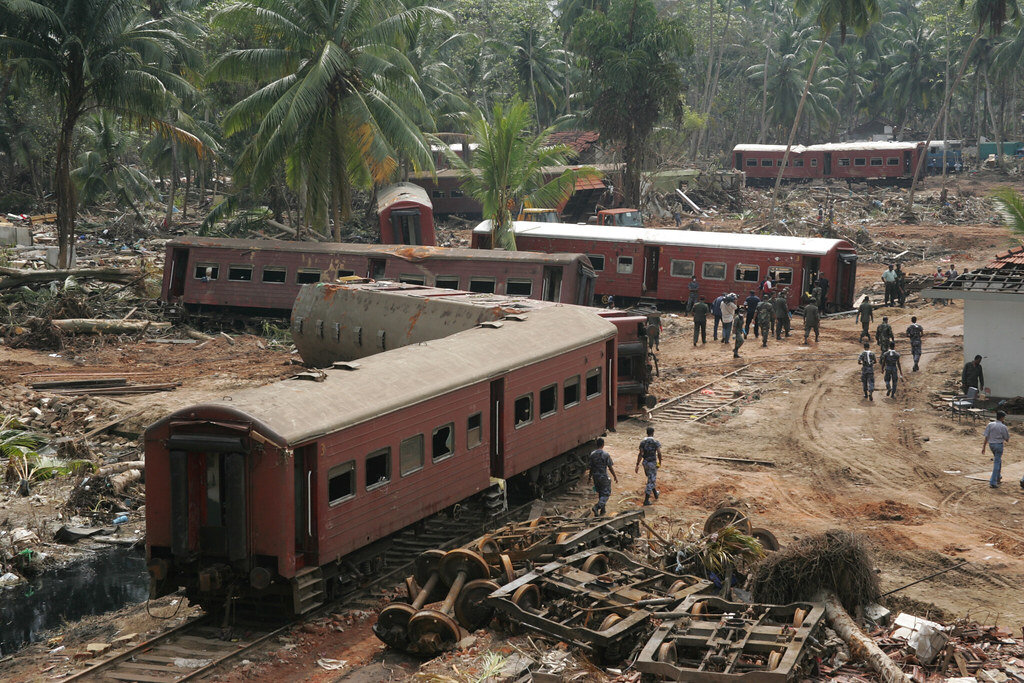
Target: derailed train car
(281, 494)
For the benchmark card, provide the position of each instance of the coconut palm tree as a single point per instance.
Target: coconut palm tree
(828, 15)
(96, 55)
(1011, 206)
(507, 168)
(335, 99)
(102, 169)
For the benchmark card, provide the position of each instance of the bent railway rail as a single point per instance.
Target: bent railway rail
(715, 396)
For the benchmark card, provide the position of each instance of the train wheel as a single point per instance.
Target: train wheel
(766, 538)
(798, 617)
(432, 632)
(678, 587)
(428, 562)
(563, 536)
(774, 658)
(471, 608)
(392, 625)
(698, 608)
(596, 564)
(723, 517)
(527, 597)
(461, 560)
(667, 652)
(609, 621)
(488, 546)
(508, 573)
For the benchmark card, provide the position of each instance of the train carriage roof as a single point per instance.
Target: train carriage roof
(295, 411)
(406, 252)
(402, 192)
(864, 146)
(812, 246)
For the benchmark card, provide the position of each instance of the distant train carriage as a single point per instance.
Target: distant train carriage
(406, 215)
(265, 275)
(635, 263)
(883, 162)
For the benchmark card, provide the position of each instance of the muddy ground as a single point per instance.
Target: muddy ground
(893, 469)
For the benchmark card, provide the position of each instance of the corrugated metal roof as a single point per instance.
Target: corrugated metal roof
(297, 411)
(815, 246)
(410, 253)
(402, 192)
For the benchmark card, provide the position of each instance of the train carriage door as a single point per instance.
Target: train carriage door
(611, 386)
(552, 290)
(846, 276)
(827, 168)
(375, 268)
(305, 504)
(810, 274)
(179, 270)
(405, 226)
(497, 429)
(651, 269)
(738, 163)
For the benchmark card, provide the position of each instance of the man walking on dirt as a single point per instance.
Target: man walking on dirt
(893, 369)
(764, 319)
(812, 321)
(867, 361)
(600, 466)
(738, 335)
(780, 306)
(694, 293)
(915, 332)
(700, 321)
(866, 315)
(728, 315)
(751, 301)
(996, 435)
(884, 335)
(716, 311)
(889, 278)
(972, 375)
(650, 455)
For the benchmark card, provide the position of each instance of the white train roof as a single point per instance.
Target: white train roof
(863, 146)
(813, 246)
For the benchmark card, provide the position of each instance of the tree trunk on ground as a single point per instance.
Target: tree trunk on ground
(935, 124)
(796, 124)
(15, 277)
(120, 482)
(100, 326)
(861, 646)
(119, 467)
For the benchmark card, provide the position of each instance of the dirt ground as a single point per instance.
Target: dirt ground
(893, 469)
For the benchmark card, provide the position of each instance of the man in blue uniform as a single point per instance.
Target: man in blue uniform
(893, 369)
(915, 332)
(600, 467)
(650, 455)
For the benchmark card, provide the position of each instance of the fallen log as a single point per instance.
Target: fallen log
(119, 482)
(861, 646)
(102, 326)
(119, 467)
(15, 277)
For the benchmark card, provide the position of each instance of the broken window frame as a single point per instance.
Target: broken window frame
(204, 265)
(283, 270)
(247, 267)
(515, 410)
(434, 457)
(593, 373)
(384, 453)
(307, 271)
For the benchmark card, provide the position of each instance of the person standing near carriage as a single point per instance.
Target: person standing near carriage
(693, 296)
(889, 279)
(780, 306)
(812, 321)
(649, 456)
(716, 311)
(751, 302)
(600, 467)
(915, 332)
(738, 335)
(764, 319)
(824, 284)
(700, 321)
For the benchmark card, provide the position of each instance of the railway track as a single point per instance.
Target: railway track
(715, 396)
(194, 649)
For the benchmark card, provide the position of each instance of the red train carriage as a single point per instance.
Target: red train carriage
(634, 263)
(882, 162)
(406, 215)
(283, 492)
(265, 275)
(635, 374)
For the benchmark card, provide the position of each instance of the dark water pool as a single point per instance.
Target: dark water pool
(98, 583)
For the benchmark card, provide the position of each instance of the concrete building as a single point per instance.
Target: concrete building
(993, 319)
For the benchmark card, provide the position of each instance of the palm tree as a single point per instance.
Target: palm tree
(829, 14)
(913, 81)
(1011, 206)
(337, 101)
(988, 14)
(95, 54)
(541, 66)
(102, 170)
(508, 168)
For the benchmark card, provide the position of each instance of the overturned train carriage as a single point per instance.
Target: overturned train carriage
(283, 493)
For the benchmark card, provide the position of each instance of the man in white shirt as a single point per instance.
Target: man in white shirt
(728, 315)
(996, 434)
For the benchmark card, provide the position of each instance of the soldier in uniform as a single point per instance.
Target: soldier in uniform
(692, 296)
(780, 306)
(751, 301)
(866, 315)
(893, 369)
(824, 284)
(915, 332)
(884, 335)
(700, 321)
(600, 467)
(901, 285)
(812, 321)
(650, 455)
(738, 336)
(764, 319)
(867, 361)
(816, 294)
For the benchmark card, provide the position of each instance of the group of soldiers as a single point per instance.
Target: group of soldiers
(888, 356)
(648, 455)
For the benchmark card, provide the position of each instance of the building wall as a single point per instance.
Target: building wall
(995, 329)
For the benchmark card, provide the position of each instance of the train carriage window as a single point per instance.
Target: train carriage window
(892, 161)
(240, 273)
(410, 455)
(814, 162)
(844, 162)
(860, 161)
(876, 161)
(751, 162)
(442, 443)
(548, 401)
(438, 194)
(780, 275)
(798, 163)
(571, 392)
(378, 468)
(275, 274)
(341, 482)
(597, 261)
(345, 273)
(307, 276)
(457, 193)
(482, 285)
(681, 268)
(412, 279)
(713, 271)
(593, 383)
(766, 162)
(624, 265)
(447, 281)
(523, 410)
(208, 271)
(474, 430)
(747, 273)
(518, 287)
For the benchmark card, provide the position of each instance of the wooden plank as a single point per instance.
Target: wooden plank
(742, 461)
(142, 678)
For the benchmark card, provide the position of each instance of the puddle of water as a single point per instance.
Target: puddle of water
(102, 581)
